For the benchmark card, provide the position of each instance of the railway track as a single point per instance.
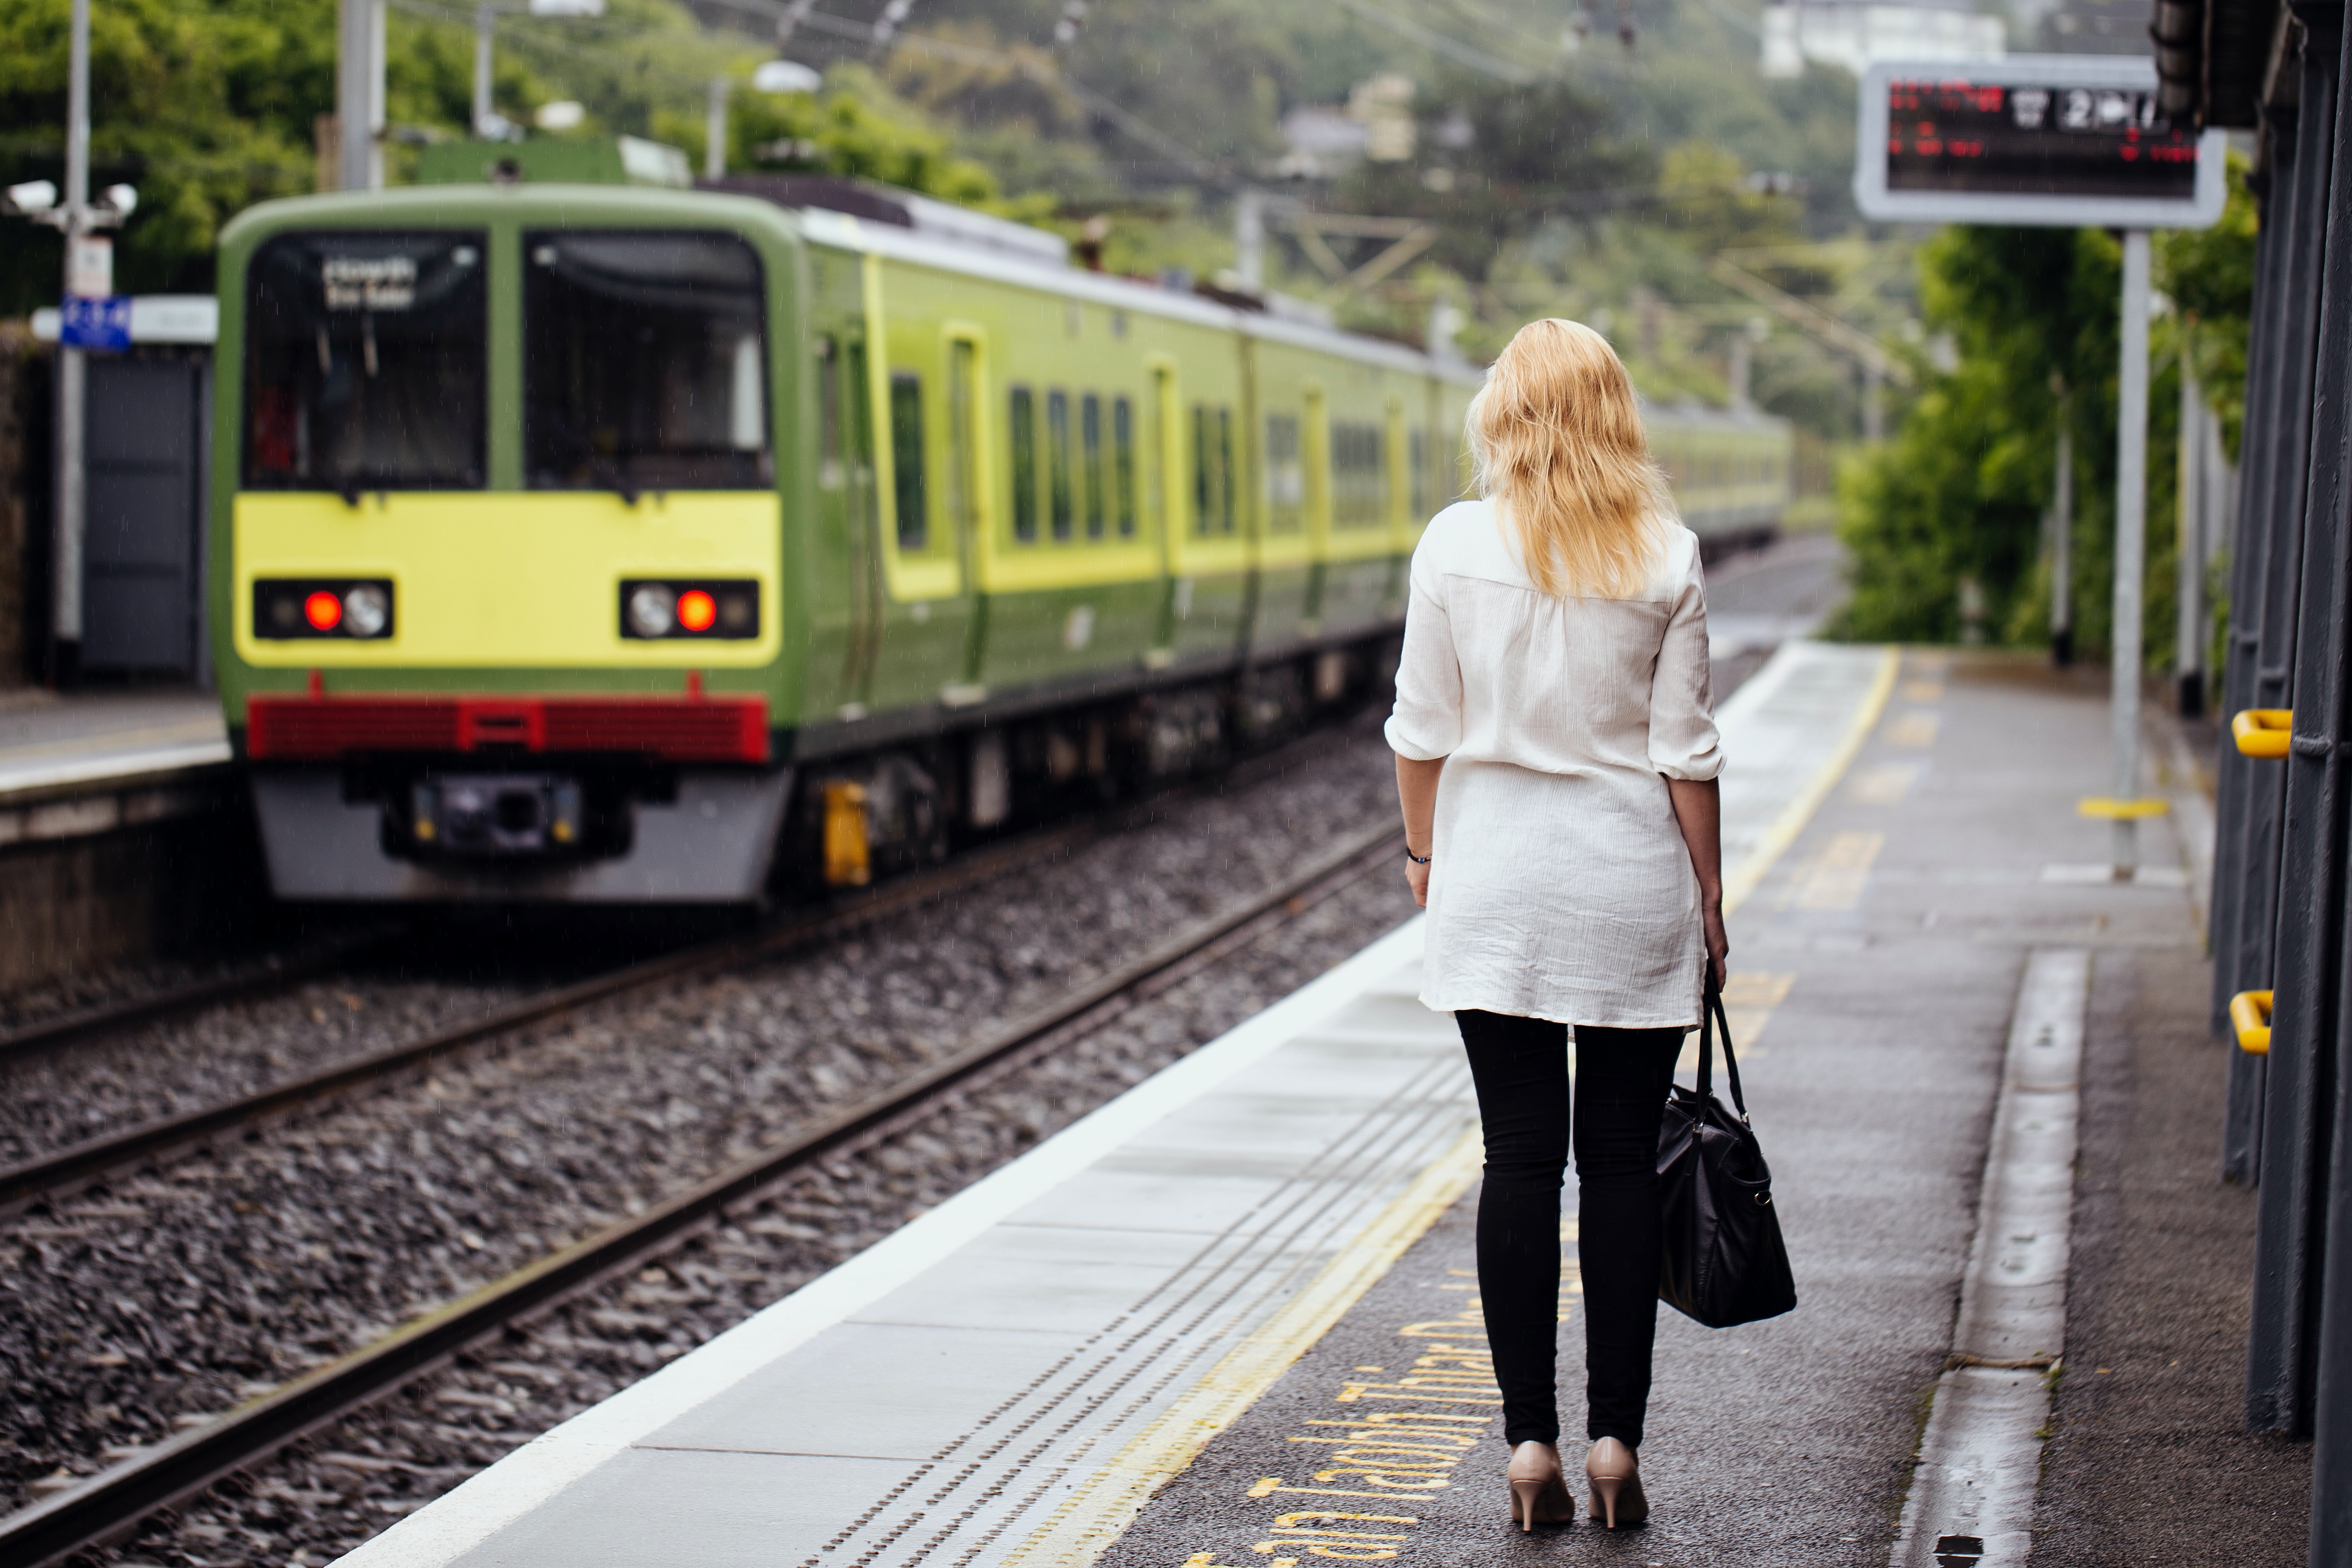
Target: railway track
(113, 1503)
(61, 1172)
(81, 1164)
(274, 973)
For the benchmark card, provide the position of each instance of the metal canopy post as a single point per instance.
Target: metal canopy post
(2248, 792)
(2131, 549)
(2298, 1099)
(2331, 514)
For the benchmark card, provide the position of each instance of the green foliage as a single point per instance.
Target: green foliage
(856, 128)
(204, 105)
(2209, 274)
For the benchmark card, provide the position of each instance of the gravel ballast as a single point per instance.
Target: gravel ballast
(163, 1299)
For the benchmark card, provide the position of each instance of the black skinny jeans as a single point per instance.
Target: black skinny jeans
(1520, 1066)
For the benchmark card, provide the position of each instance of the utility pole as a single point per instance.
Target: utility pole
(2188, 544)
(485, 122)
(714, 129)
(2062, 528)
(1249, 236)
(2131, 549)
(359, 95)
(73, 370)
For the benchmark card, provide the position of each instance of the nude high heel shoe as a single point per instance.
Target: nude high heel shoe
(1616, 1482)
(1539, 1495)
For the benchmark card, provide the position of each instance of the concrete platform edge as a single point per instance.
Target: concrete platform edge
(536, 1472)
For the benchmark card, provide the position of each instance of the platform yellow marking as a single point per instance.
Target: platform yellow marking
(1743, 879)
(1882, 785)
(2112, 809)
(1839, 876)
(1109, 1501)
(1915, 729)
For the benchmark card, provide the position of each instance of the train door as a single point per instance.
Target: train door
(925, 500)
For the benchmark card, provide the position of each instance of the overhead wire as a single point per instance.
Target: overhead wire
(1142, 130)
(1478, 60)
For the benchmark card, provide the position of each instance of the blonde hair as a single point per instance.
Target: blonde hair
(1556, 440)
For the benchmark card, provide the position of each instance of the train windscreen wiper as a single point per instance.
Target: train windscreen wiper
(602, 466)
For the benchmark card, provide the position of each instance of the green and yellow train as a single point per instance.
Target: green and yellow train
(600, 543)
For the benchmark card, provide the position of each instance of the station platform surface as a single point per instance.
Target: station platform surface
(50, 743)
(1231, 1318)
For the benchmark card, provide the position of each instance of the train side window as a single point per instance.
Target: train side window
(963, 442)
(1204, 491)
(906, 460)
(1122, 449)
(1285, 475)
(1024, 465)
(1225, 477)
(1359, 476)
(1417, 450)
(1058, 462)
(1090, 441)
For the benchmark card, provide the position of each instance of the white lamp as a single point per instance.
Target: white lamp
(785, 75)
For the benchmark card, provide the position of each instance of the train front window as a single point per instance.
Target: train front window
(645, 363)
(364, 362)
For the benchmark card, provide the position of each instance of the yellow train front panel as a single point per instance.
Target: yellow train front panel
(508, 580)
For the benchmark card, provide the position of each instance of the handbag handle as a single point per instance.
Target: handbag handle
(1711, 1016)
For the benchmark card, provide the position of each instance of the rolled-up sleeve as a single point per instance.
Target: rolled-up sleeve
(1426, 723)
(1682, 739)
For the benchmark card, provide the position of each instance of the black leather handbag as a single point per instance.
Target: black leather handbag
(1721, 1260)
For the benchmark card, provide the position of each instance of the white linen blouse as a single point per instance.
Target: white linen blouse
(1561, 887)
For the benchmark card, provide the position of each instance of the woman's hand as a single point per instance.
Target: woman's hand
(1417, 796)
(1698, 812)
(1718, 943)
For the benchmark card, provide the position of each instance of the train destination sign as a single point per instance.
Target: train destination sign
(2057, 140)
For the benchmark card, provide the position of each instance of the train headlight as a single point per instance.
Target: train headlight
(726, 610)
(367, 611)
(297, 609)
(652, 610)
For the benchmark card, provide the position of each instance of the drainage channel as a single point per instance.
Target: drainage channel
(1971, 1498)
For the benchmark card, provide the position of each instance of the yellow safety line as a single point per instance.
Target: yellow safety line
(1107, 1501)
(1750, 872)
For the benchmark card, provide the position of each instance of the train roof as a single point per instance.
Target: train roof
(967, 254)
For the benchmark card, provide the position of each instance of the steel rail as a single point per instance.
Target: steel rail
(276, 973)
(113, 1503)
(82, 1164)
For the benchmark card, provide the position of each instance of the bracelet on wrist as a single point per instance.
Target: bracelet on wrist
(1419, 860)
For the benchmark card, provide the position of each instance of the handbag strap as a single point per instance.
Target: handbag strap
(1712, 1017)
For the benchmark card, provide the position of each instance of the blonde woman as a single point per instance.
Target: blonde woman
(1556, 761)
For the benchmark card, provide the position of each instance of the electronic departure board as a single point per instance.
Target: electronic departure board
(2056, 139)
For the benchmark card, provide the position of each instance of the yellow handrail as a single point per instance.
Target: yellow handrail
(2263, 731)
(2249, 1015)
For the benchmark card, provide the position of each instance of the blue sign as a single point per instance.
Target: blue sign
(94, 323)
